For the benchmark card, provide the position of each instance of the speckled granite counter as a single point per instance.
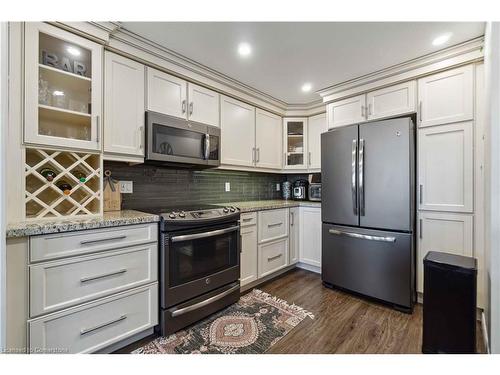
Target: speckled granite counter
(109, 219)
(251, 206)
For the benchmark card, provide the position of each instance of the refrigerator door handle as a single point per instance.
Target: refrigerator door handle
(361, 182)
(353, 176)
(362, 236)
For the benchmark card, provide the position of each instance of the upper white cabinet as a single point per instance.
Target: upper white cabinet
(237, 132)
(174, 96)
(446, 97)
(310, 236)
(166, 94)
(445, 167)
(267, 140)
(391, 101)
(347, 111)
(295, 143)
(203, 105)
(124, 88)
(316, 125)
(445, 232)
(63, 88)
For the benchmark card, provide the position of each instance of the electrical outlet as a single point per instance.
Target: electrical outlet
(278, 187)
(227, 186)
(126, 187)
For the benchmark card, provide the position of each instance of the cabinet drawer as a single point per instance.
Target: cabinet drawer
(60, 245)
(60, 284)
(273, 224)
(94, 326)
(248, 218)
(273, 257)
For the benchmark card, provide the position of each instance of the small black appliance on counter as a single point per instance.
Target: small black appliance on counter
(449, 303)
(300, 190)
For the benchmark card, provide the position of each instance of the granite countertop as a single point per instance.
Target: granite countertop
(129, 217)
(251, 206)
(109, 219)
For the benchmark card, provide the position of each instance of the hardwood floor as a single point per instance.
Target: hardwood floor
(343, 323)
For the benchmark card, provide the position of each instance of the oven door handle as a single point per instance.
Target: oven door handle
(204, 303)
(196, 236)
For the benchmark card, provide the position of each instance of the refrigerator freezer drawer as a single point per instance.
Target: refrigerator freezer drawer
(374, 263)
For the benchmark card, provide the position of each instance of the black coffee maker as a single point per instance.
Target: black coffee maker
(299, 190)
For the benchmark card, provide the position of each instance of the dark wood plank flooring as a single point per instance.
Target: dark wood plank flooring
(343, 323)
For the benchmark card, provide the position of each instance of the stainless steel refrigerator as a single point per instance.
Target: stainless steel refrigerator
(368, 210)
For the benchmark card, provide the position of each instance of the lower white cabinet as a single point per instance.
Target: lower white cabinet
(273, 224)
(310, 236)
(93, 326)
(294, 236)
(273, 256)
(445, 232)
(248, 255)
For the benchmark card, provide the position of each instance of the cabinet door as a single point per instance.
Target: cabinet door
(392, 101)
(273, 256)
(166, 94)
(294, 236)
(124, 106)
(63, 88)
(237, 132)
(445, 168)
(267, 140)
(248, 256)
(310, 236)
(446, 232)
(346, 112)
(315, 126)
(203, 105)
(446, 97)
(295, 143)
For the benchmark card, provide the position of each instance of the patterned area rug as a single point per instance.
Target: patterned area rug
(251, 326)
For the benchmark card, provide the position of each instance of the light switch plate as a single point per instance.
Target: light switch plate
(277, 187)
(227, 186)
(126, 187)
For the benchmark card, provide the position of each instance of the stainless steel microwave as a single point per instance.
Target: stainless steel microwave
(179, 142)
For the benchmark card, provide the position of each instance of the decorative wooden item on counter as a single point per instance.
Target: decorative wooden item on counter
(112, 195)
(61, 184)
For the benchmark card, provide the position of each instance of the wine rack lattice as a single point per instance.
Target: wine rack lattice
(44, 199)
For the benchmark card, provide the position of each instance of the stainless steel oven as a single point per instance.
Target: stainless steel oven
(199, 265)
(174, 141)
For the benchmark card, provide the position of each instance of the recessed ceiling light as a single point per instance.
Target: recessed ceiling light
(306, 87)
(244, 49)
(74, 51)
(441, 39)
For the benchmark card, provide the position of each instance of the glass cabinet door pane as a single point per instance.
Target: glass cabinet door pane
(295, 143)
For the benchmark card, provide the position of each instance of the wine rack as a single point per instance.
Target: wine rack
(78, 173)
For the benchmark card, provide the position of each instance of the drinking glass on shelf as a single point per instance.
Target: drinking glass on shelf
(59, 99)
(43, 92)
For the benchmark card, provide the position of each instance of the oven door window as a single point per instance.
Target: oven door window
(178, 142)
(194, 259)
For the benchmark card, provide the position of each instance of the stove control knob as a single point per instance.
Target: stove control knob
(232, 209)
(171, 215)
(225, 210)
(182, 214)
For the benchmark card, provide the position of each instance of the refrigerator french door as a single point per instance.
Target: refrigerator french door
(368, 208)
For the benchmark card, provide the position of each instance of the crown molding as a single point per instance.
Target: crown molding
(459, 54)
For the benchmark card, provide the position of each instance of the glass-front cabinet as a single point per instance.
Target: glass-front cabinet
(63, 88)
(295, 143)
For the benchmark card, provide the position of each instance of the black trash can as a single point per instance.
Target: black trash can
(450, 296)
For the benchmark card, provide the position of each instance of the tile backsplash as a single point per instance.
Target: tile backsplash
(163, 186)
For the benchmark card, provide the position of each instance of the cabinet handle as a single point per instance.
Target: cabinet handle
(274, 257)
(102, 325)
(98, 129)
(309, 158)
(191, 105)
(257, 153)
(291, 218)
(420, 111)
(104, 275)
(369, 109)
(86, 242)
(362, 111)
(420, 229)
(274, 225)
(421, 194)
(247, 219)
(253, 154)
(249, 232)
(183, 106)
(141, 137)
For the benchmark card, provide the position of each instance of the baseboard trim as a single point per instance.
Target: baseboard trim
(485, 333)
(265, 279)
(309, 267)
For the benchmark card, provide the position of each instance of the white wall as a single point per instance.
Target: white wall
(3, 133)
(492, 184)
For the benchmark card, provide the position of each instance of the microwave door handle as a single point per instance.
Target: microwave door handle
(207, 146)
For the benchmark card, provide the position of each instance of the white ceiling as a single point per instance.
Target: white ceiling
(286, 55)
